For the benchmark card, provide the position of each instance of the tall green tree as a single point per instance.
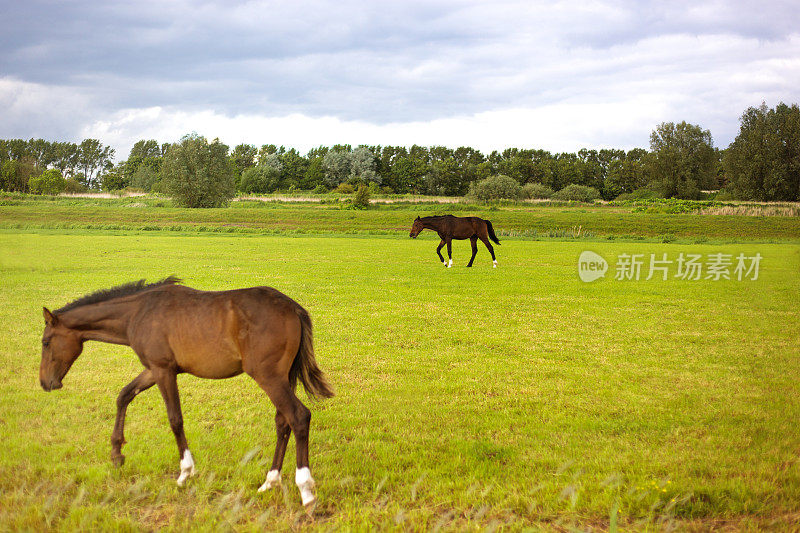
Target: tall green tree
(444, 178)
(363, 166)
(65, 158)
(93, 157)
(197, 173)
(314, 175)
(682, 160)
(16, 174)
(337, 164)
(625, 175)
(293, 168)
(243, 157)
(144, 154)
(763, 162)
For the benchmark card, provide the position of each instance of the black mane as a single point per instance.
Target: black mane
(116, 292)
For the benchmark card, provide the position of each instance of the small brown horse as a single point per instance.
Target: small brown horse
(449, 227)
(175, 329)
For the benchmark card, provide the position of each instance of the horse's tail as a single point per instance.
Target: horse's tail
(305, 364)
(490, 230)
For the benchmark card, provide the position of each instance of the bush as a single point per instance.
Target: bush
(113, 180)
(48, 182)
(196, 173)
(578, 193)
(345, 188)
(536, 190)
(498, 187)
(73, 186)
(260, 179)
(320, 189)
(361, 198)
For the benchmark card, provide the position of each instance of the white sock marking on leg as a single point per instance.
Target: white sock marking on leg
(305, 483)
(187, 467)
(273, 480)
(450, 264)
(494, 263)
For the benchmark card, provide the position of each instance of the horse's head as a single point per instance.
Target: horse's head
(416, 228)
(60, 347)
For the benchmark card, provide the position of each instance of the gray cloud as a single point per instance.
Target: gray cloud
(392, 62)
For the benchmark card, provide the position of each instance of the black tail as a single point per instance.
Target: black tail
(305, 364)
(490, 229)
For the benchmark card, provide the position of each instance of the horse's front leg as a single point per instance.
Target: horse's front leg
(439, 252)
(141, 383)
(167, 382)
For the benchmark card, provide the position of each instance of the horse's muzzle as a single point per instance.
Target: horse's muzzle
(51, 385)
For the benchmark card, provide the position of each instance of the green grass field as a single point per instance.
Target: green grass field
(517, 397)
(527, 221)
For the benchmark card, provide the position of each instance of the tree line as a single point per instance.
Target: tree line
(762, 163)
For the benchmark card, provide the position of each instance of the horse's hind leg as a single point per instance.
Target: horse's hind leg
(283, 430)
(299, 418)
(474, 242)
(141, 383)
(439, 252)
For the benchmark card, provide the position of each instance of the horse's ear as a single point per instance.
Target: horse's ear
(417, 218)
(49, 318)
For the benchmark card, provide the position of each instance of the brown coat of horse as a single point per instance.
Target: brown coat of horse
(175, 329)
(449, 227)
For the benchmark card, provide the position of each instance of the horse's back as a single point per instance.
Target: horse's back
(216, 334)
(465, 227)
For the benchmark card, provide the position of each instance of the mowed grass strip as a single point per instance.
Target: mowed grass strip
(466, 398)
(521, 221)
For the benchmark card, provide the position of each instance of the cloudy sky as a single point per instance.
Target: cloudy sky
(486, 74)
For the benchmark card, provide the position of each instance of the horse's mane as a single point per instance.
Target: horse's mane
(435, 217)
(127, 289)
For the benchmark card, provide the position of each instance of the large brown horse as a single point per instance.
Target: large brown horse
(449, 227)
(175, 329)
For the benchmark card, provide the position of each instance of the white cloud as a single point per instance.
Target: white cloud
(558, 127)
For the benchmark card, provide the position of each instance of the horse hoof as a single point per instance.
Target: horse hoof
(273, 480)
(117, 459)
(187, 467)
(306, 485)
(310, 506)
